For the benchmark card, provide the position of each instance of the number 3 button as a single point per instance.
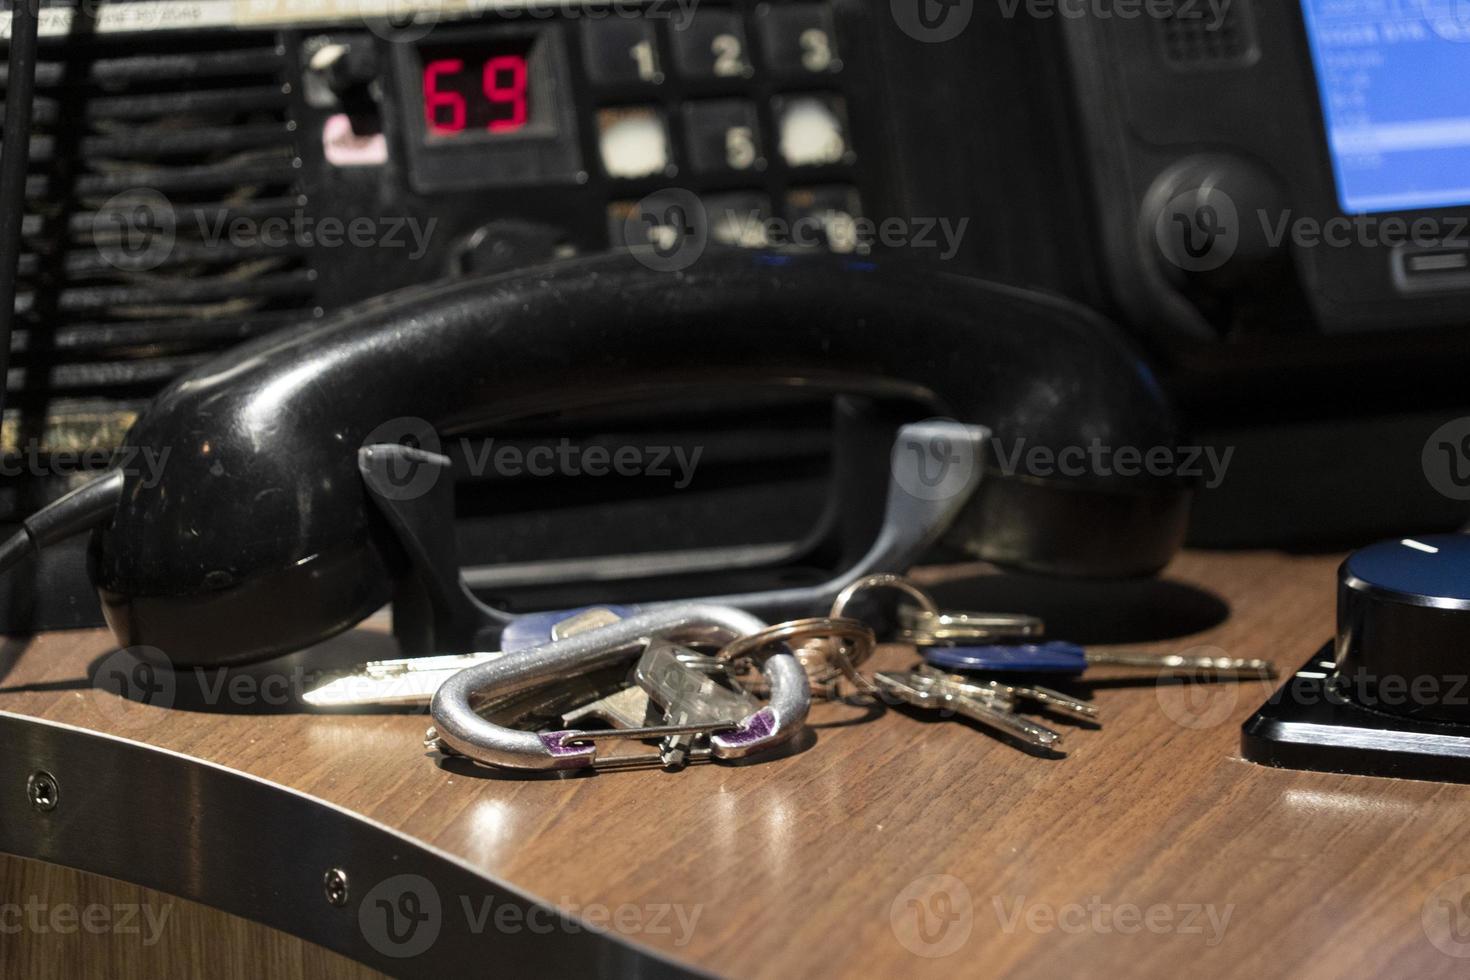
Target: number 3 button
(711, 45)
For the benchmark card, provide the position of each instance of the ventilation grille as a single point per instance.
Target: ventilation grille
(144, 152)
(1196, 35)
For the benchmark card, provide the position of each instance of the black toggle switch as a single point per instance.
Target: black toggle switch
(350, 70)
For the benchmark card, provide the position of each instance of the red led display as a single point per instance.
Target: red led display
(475, 91)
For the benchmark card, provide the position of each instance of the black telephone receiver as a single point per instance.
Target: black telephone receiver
(260, 537)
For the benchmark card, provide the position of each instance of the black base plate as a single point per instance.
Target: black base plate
(1308, 725)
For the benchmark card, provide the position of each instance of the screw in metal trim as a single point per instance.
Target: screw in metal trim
(43, 790)
(334, 884)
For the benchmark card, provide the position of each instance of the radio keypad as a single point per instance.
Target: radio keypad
(633, 142)
(825, 216)
(748, 104)
(711, 44)
(723, 135)
(622, 51)
(797, 39)
(812, 130)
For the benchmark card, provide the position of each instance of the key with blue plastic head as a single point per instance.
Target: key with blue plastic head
(1058, 657)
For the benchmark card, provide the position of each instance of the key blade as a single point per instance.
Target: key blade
(926, 692)
(410, 681)
(1214, 666)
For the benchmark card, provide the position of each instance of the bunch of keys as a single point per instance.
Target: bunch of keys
(972, 661)
(678, 697)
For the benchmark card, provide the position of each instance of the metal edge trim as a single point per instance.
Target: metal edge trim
(254, 848)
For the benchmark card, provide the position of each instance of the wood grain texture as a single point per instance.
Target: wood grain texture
(1109, 861)
(60, 922)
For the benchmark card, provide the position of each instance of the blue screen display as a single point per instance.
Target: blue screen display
(1394, 77)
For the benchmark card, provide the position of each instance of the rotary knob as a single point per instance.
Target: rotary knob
(1403, 627)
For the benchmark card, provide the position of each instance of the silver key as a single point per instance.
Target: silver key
(932, 627)
(683, 683)
(926, 692)
(1062, 704)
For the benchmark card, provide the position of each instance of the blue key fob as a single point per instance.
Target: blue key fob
(1051, 657)
(534, 629)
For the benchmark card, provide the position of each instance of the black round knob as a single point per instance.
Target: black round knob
(1403, 627)
(1201, 219)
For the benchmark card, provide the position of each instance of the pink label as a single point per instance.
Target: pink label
(344, 148)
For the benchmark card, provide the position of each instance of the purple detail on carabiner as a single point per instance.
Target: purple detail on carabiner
(567, 755)
(753, 730)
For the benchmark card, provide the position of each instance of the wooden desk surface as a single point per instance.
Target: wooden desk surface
(1151, 848)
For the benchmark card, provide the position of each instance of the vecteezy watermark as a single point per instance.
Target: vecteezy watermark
(1450, 19)
(1389, 692)
(1204, 463)
(138, 230)
(932, 21)
(1446, 459)
(567, 458)
(127, 683)
(135, 230)
(935, 460)
(1095, 916)
(34, 458)
(1211, 14)
(1445, 917)
(1189, 703)
(1361, 230)
(302, 230)
(410, 478)
(38, 916)
(1201, 229)
(841, 232)
(670, 229)
(673, 226)
(403, 916)
(932, 916)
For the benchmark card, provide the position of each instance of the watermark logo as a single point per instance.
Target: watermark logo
(843, 233)
(1445, 917)
(932, 916)
(64, 918)
(1446, 459)
(1450, 19)
(407, 478)
(1190, 702)
(401, 916)
(1126, 918)
(674, 226)
(128, 683)
(400, 21)
(1204, 464)
(135, 230)
(932, 21)
(1198, 230)
(934, 462)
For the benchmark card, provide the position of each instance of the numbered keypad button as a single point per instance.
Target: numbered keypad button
(828, 215)
(634, 142)
(711, 44)
(812, 130)
(797, 39)
(740, 218)
(723, 135)
(621, 51)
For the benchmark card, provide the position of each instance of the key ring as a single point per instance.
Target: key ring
(841, 641)
(884, 581)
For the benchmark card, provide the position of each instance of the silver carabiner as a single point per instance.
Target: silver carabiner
(458, 726)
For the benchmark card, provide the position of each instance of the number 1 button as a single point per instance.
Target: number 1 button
(621, 52)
